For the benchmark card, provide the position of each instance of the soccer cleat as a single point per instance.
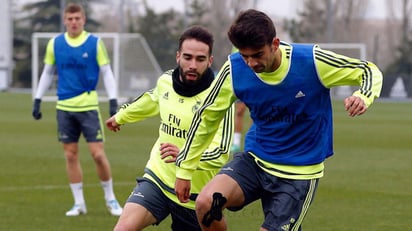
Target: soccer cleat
(114, 207)
(234, 149)
(77, 210)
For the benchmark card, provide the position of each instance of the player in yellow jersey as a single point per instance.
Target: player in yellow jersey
(286, 88)
(79, 58)
(178, 94)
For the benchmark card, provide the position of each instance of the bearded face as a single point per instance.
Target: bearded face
(193, 60)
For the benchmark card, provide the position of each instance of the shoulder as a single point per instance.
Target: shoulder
(166, 77)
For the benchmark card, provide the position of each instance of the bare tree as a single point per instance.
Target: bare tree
(402, 61)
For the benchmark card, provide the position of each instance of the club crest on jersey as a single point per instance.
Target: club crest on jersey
(196, 106)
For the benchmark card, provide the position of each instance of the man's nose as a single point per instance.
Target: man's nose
(251, 62)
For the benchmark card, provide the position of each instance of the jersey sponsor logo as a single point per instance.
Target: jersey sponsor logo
(283, 114)
(171, 127)
(72, 64)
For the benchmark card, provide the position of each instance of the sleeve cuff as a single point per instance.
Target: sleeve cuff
(184, 174)
(368, 101)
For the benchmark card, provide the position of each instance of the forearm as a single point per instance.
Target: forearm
(142, 108)
(370, 90)
(109, 81)
(46, 79)
(200, 136)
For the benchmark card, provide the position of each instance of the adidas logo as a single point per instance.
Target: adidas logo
(300, 94)
(85, 55)
(139, 194)
(99, 135)
(166, 95)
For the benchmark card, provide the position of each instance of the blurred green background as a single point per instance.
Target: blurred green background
(367, 183)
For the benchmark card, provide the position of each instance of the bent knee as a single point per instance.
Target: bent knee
(121, 227)
(203, 202)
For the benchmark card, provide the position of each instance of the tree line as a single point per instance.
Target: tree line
(388, 41)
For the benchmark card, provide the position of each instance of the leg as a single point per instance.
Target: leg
(146, 206)
(229, 189)
(74, 171)
(134, 217)
(285, 202)
(104, 173)
(237, 136)
(101, 161)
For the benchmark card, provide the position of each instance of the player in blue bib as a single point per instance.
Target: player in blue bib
(286, 88)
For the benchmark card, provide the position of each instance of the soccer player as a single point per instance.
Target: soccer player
(79, 57)
(178, 94)
(286, 88)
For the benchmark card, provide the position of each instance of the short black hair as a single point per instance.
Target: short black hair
(252, 29)
(198, 33)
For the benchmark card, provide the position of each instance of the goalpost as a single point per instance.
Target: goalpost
(134, 66)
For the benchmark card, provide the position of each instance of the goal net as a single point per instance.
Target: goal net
(354, 50)
(133, 63)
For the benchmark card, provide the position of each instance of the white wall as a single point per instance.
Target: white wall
(6, 44)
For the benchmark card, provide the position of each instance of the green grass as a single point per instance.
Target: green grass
(366, 184)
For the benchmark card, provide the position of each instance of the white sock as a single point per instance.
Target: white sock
(237, 137)
(77, 191)
(108, 190)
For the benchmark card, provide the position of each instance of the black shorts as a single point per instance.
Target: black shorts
(284, 201)
(70, 125)
(149, 195)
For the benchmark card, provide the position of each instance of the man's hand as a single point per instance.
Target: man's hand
(182, 189)
(168, 152)
(112, 125)
(36, 109)
(355, 106)
(112, 107)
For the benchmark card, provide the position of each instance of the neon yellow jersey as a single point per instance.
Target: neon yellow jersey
(176, 113)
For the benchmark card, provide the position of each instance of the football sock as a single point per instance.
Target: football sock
(77, 191)
(237, 136)
(108, 190)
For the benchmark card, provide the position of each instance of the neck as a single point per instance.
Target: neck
(277, 59)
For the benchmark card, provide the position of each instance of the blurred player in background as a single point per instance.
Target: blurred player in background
(238, 134)
(286, 88)
(79, 58)
(178, 94)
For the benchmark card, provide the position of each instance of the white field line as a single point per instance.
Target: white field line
(52, 187)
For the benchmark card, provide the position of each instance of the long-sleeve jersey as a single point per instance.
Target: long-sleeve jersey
(289, 137)
(78, 62)
(176, 113)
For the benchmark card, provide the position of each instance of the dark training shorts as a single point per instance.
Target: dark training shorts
(284, 201)
(70, 125)
(149, 195)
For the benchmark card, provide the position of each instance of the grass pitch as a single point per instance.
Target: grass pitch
(366, 184)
